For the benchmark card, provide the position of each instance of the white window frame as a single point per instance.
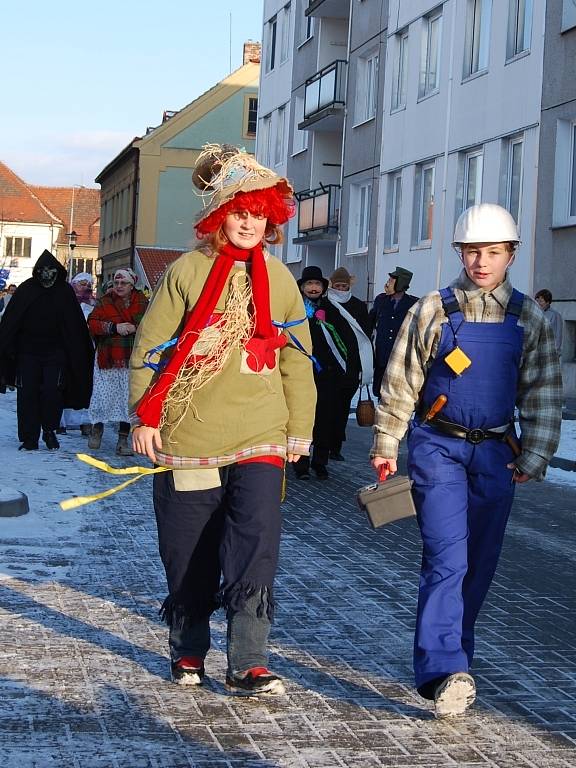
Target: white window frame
(431, 24)
(271, 43)
(564, 204)
(477, 38)
(264, 149)
(520, 17)
(24, 241)
(359, 217)
(294, 251)
(285, 33)
(477, 156)
(568, 15)
(513, 144)
(367, 87)
(400, 81)
(305, 24)
(393, 211)
(299, 137)
(280, 138)
(419, 219)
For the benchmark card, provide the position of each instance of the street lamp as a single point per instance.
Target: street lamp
(72, 237)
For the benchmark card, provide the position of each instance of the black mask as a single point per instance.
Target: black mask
(47, 276)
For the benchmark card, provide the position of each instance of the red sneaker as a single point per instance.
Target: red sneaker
(188, 670)
(255, 681)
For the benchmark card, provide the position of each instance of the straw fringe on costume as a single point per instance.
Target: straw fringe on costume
(210, 352)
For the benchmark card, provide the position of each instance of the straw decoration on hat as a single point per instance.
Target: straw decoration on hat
(222, 173)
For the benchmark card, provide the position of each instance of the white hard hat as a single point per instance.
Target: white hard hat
(485, 223)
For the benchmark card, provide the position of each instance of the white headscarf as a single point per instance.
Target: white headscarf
(82, 276)
(127, 274)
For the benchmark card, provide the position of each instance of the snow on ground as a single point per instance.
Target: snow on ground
(46, 477)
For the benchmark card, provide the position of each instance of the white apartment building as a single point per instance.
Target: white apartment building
(461, 126)
(274, 107)
(401, 115)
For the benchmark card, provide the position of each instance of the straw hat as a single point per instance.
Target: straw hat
(222, 171)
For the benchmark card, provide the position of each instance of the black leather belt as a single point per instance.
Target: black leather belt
(474, 436)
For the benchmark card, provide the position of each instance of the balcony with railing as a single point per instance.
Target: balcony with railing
(318, 212)
(324, 98)
(330, 9)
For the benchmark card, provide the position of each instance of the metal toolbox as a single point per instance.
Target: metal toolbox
(387, 501)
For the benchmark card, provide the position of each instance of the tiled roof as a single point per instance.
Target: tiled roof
(19, 203)
(155, 261)
(85, 218)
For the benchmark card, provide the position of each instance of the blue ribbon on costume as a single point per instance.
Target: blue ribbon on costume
(296, 341)
(158, 351)
(167, 344)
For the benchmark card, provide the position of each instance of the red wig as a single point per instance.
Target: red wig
(271, 203)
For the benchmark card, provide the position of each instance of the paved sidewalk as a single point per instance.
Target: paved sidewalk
(84, 660)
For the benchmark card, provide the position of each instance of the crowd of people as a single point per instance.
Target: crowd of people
(66, 353)
(235, 369)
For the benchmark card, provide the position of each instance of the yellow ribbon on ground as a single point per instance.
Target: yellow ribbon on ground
(79, 501)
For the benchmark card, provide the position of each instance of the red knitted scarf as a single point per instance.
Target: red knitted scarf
(261, 347)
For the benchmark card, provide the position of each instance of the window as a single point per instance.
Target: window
(17, 247)
(271, 50)
(359, 219)
(564, 204)
(477, 42)
(250, 117)
(280, 132)
(285, 42)
(519, 26)
(423, 210)
(473, 163)
(430, 54)
(299, 138)
(568, 14)
(573, 171)
(264, 140)
(367, 88)
(81, 265)
(305, 23)
(400, 71)
(514, 177)
(393, 208)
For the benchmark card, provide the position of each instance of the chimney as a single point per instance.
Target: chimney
(251, 52)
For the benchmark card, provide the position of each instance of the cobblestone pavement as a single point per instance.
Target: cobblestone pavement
(83, 657)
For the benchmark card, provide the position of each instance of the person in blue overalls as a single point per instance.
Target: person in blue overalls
(465, 357)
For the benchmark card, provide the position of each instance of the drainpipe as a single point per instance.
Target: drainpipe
(446, 147)
(135, 208)
(339, 239)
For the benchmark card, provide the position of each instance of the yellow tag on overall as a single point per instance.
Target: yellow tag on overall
(457, 361)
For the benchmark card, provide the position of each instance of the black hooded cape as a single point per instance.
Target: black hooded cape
(74, 337)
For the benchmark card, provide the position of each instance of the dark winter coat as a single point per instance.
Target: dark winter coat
(386, 318)
(40, 319)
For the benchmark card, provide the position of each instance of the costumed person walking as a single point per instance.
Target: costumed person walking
(386, 317)
(356, 333)
(486, 348)
(113, 323)
(335, 371)
(46, 351)
(230, 402)
(82, 285)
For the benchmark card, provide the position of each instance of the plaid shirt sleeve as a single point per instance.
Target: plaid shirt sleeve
(415, 347)
(539, 396)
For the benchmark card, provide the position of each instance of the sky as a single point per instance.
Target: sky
(81, 80)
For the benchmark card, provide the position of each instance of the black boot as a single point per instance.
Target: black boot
(49, 437)
(28, 445)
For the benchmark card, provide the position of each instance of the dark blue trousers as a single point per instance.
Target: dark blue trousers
(220, 547)
(463, 495)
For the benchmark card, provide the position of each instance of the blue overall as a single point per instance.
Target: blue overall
(463, 492)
